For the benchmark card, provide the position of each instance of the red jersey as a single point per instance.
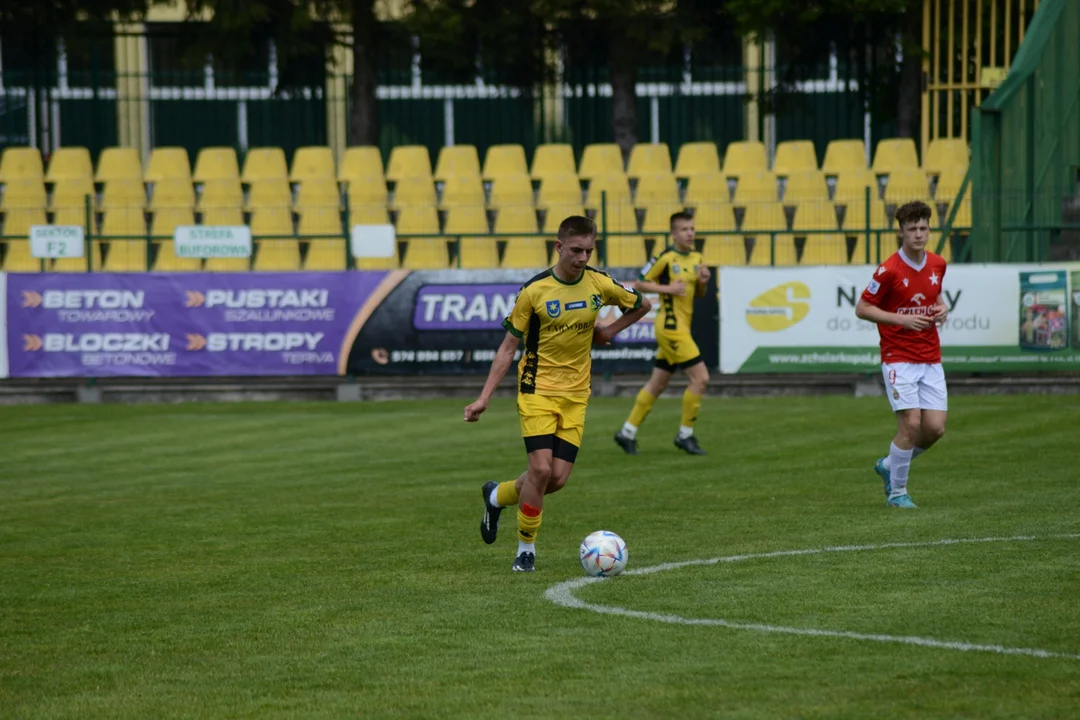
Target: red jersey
(901, 286)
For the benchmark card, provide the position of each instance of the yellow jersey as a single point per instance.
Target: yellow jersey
(556, 319)
(676, 311)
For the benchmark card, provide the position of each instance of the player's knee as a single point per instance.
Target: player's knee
(932, 432)
(909, 426)
(555, 484)
(540, 473)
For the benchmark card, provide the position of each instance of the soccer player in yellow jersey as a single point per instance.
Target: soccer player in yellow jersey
(555, 313)
(678, 275)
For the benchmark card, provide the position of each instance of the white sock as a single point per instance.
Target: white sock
(629, 430)
(493, 498)
(526, 547)
(899, 464)
(685, 432)
(915, 452)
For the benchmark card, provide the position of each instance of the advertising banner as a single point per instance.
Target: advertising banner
(3, 326)
(1002, 318)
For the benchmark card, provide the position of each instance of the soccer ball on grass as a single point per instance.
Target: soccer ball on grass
(603, 554)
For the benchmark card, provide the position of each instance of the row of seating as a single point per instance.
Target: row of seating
(554, 160)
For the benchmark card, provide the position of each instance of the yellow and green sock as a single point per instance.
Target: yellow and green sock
(691, 404)
(642, 406)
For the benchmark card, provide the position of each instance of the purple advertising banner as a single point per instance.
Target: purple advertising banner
(185, 324)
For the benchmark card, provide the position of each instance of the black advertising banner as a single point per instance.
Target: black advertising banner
(450, 321)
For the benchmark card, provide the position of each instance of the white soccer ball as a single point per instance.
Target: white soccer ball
(603, 554)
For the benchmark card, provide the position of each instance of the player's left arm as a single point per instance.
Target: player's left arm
(941, 310)
(703, 276)
(634, 306)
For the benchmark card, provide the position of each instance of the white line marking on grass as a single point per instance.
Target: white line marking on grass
(563, 594)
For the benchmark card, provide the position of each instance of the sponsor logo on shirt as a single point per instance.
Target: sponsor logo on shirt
(578, 305)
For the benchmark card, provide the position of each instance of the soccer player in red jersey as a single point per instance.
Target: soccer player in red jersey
(902, 299)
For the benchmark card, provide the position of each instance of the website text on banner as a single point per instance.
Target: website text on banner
(1002, 318)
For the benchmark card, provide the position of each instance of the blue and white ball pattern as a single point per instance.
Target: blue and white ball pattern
(603, 554)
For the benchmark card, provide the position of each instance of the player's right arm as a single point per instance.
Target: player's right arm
(650, 274)
(868, 307)
(504, 358)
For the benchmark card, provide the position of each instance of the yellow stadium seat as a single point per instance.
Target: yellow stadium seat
(555, 214)
(426, 254)
(855, 218)
(321, 229)
(124, 231)
(649, 159)
(658, 218)
(228, 216)
(745, 156)
(471, 220)
(457, 161)
(895, 154)
(168, 162)
(948, 184)
(825, 249)
(368, 215)
(163, 230)
(963, 214)
(804, 185)
(906, 184)
(554, 160)
(782, 255)
(274, 253)
(844, 155)
(525, 252)
(366, 191)
(70, 163)
(697, 158)
(794, 156)
(21, 163)
(610, 189)
(17, 223)
(656, 188)
(511, 190)
(755, 186)
(361, 163)
(724, 250)
(269, 192)
(714, 217)
(264, 163)
(23, 193)
(763, 216)
(622, 251)
(216, 163)
(462, 190)
(73, 193)
(816, 215)
(619, 219)
(416, 190)
(418, 220)
(320, 220)
(326, 253)
(318, 192)
(515, 219)
(221, 194)
(312, 163)
(478, 253)
(75, 216)
(123, 194)
(119, 163)
(707, 188)
(559, 190)
(946, 154)
(172, 193)
(505, 160)
(372, 215)
(761, 220)
(851, 185)
(601, 159)
(409, 161)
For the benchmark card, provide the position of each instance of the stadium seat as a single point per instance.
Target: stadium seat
(221, 194)
(264, 163)
(724, 250)
(318, 192)
(17, 223)
(755, 186)
(759, 221)
(321, 229)
(658, 218)
(625, 252)
(844, 155)
(816, 215)
(505, 160)
(312, 163)
(168, 162)
(714, 217)
(610, 189)
(274, 253)
(697, 158)
(418, 220)
(555, 214)
(73, 193)
(119, 163)
(415, 190)
(163, 230)
(555, 160)
(820, 248)
(511, 190)
(478, 253)
(466, 219)
(894, 154)
(172, 193)
(70, 163)
(804, 185)
(23, 193)
(368, 215)
(525, 252)
(457, 161)
(123, 194)
(559, 190)
(948, 184)
(855, 218)
(946, 155)
(514, 219)
(227, 216)
(361, 163)
(123, 231)
(707, 188)
(74, 216)
(426, 254)
(621, 234)
(164, 222)
(367, 191)
(745, 157)
(601, 159)
(851, 185)
(906, 184)
(656, 188)
(963, 214)
(409, 161)
(649, 159)
(619, 219)
(216, 163)
(21, 163)
(794, 156)
(268, 192)
(462, 190)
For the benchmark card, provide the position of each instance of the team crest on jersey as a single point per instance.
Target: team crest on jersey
(917, 298)
(553, 309)
(597, 302)
(873, 287)
(675, 268)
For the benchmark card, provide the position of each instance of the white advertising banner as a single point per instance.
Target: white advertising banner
(1001, 317)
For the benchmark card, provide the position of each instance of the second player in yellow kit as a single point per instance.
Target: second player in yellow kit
(678, 275)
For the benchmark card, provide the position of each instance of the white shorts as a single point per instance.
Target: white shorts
(915, 385)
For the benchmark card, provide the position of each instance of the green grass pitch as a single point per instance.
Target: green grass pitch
(324, 561)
